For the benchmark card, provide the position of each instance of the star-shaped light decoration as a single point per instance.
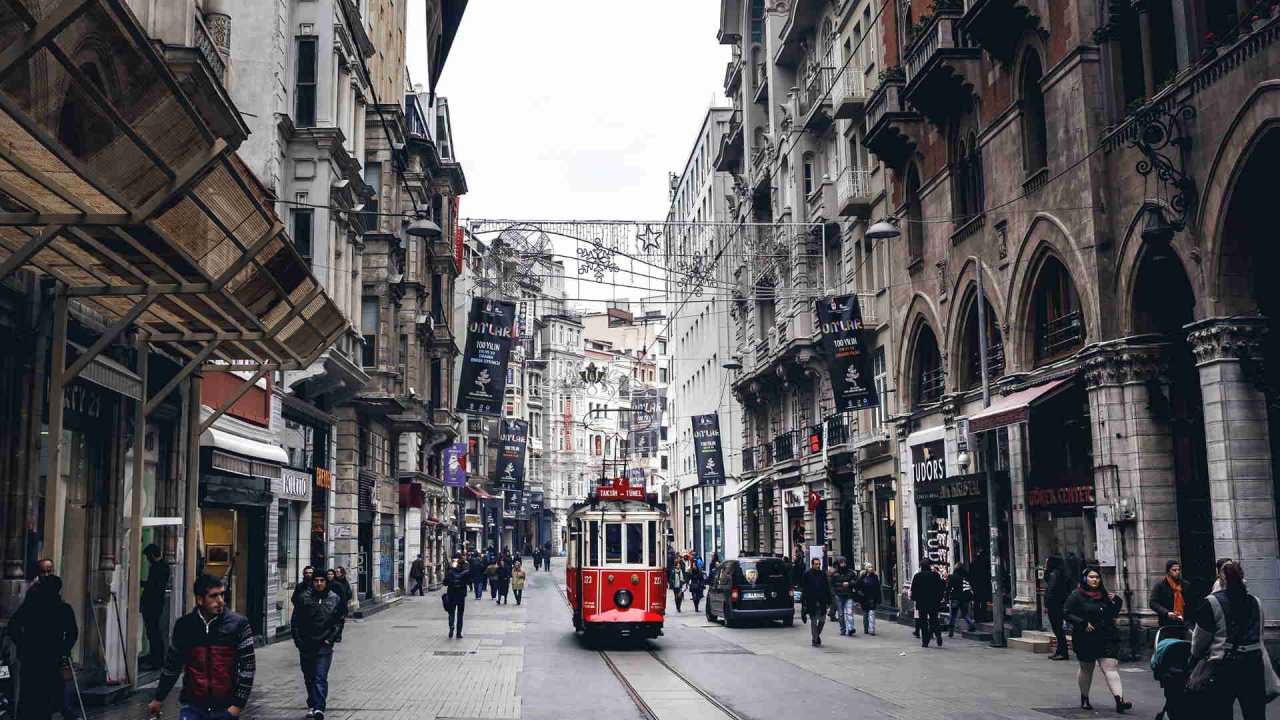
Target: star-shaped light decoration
(649, 240)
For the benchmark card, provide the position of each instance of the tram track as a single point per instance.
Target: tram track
(659, 678)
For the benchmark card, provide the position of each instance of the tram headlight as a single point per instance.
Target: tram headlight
(622, 599)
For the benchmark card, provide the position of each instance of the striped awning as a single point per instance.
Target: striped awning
(112, 182)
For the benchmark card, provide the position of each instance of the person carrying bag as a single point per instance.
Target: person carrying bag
(1231, 662)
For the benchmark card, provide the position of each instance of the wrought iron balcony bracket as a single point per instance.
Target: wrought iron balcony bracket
(1162, 132)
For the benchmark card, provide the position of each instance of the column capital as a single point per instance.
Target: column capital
(1227, 339)
(1124, 363)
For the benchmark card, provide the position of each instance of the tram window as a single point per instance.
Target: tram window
(593, 545)
(612, 543)
(635, 543)
(653, 543)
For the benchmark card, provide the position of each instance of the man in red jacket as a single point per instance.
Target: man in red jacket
(212, 648)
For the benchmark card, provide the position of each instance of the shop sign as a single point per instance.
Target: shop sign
(536, 501)
(324, 478)
(341, 531)
(455, 470)
(1074, 497)
(844, 342)
(706, 449)
(793, 497)
(933, 484)
(292, 485)
(484, 363)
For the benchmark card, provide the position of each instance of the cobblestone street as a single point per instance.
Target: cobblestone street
(523, 662)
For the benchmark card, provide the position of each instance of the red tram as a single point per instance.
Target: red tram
(617, 578)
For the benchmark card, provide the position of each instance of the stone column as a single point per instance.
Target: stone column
(1229, 355)
(344, 500)
(1133, 457)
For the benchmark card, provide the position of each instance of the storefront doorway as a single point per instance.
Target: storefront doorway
(235, 549)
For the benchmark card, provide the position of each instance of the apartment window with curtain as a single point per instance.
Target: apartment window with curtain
(305, 88)
(369, 330)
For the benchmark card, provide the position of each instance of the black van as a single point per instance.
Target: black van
(751, 589)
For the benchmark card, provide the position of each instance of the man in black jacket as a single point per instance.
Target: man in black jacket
(212, 649)
(844, 583)
(44, 630)
(1174, 599)
(316, 620)
(928, 591)
(815, 596)
(457, 582)
(154, 590)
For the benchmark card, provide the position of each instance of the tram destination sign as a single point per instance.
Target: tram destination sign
(707, 454)
(484, 363)
(620, 489)
(844, 342)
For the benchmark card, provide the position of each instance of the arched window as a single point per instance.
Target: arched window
(808, 174)
(970, 358)
(977, 187)
(915, 229)
(1056, 317)
(1035, 135)
(927, 377)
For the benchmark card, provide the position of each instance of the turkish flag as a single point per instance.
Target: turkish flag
(814, 499)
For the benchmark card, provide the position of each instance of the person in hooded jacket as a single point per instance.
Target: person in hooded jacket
(927, 591)
(316, 623)
(960, 598)
(1092, 612)
(1057, 588)
(845, 586)
(815, 596)
(44, 630)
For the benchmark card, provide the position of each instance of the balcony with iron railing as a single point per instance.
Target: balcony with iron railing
(761, 77)
(849, 93)
(1059, 335)
(733, 75)
(729, 155)
(998, 26)
(840, 429)
(930, 384)
(785, 446)
(943, 64)
(853, 192)
(995, 363)
(893, 129)
(814, 108)
(761, 167)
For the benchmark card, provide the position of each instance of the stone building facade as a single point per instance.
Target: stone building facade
(1097, 169)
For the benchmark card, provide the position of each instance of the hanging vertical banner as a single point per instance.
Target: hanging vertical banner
(484, 364)
(706, 449)
(512, 440)
(844, 341)
(455, 471)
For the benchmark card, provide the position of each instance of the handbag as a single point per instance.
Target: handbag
(448, 601)
(1203, 676)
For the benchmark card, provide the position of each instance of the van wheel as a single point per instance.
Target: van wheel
(789, 621)
(729, 622)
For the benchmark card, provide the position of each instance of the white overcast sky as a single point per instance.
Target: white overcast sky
(576, 109)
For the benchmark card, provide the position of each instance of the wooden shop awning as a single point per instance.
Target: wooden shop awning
(112, 182)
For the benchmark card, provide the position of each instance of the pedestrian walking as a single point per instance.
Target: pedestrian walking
(491, 577)
(1228, 634)
(537, 559)
(504, 578)
(679, 582)
(315, 625)
(833, 606)
(815, 596)
(844, 584)
(960, 598)
(870, 596)
(714, 565)
(154, 591)
(44, 630)
(341, 587)
(1058, 585)
(212, 649)
(1092, 612)
(518, 577)
(303, 585)
(478, 576)
(1173, 598)
(927, 591)
(697, 585)
(546, 556)
(417, 572)
(457, 582)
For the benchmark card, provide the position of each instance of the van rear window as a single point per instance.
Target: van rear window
(765, 570)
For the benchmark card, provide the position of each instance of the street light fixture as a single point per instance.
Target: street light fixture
(423, 227)
(885, 229)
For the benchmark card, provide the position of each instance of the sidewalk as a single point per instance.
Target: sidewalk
(397, 664)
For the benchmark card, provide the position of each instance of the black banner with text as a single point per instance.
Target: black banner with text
(484, 364)
(706, 449)
(848, 355)
(508, 471)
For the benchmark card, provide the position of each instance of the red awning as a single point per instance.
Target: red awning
(479, 493)
(1015, 407)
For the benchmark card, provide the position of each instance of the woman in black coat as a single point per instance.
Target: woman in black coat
(697, 585)
(1092, 612)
